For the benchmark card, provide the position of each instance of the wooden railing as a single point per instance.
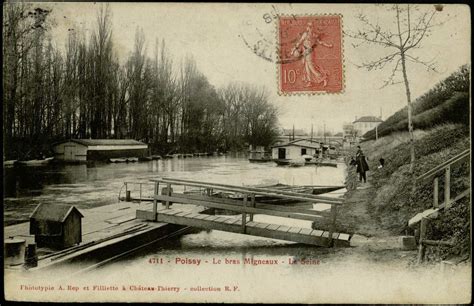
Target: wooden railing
(127, 196)
(446, 168)
(434, 174)
(248, 205)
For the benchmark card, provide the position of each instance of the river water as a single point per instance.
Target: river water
(215, 266)
(91, 185)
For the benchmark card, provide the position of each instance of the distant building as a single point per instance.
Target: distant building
(295, 149)
(365, 124)
(347, 130)
(98, 149)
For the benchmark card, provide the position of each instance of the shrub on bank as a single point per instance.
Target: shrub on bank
(395, 202)
(435, 140)
(447, 102)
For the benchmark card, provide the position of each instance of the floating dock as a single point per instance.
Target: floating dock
(107, 232)
(112, 231)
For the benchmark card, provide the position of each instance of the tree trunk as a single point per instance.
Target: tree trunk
(409, 107)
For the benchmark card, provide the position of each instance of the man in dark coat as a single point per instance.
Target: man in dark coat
(362, 166)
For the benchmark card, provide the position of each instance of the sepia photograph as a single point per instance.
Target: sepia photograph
(236, 152)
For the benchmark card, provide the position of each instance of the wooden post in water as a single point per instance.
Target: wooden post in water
(421, 247)
(252, 204)
(447, 187)
(155, 202)
(244, 215)
(435, 193)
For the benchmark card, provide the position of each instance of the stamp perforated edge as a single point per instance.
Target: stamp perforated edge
(278, 70)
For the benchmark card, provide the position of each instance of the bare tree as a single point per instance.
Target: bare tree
(411, 26)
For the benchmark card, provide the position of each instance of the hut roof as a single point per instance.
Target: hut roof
(57, 213)
(106, 142)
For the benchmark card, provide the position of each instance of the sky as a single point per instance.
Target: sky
(218, 36)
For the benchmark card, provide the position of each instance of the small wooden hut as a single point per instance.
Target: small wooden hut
(56, 226)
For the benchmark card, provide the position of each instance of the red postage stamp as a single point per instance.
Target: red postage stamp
(310, 54)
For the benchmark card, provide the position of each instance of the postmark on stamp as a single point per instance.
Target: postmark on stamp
(310, 58)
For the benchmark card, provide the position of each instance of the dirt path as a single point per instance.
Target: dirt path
(355, 214)
(370, 242)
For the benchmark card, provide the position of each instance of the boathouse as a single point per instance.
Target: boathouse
(56, 226)
(295, 149)
(76, 150)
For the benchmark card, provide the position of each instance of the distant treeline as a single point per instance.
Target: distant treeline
(86, 92)
(447, 102)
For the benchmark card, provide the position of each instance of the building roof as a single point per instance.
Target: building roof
(50, 212)
(368, 119)
(105, 142)
(300, 143)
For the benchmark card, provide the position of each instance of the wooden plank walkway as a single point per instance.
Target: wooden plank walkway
(260, 229)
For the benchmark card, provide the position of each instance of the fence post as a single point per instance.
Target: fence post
(155, 202)
(244, 214)
(140, 200)
(421, 247)
(252, 204)
(168, 193)
(447, 187)
(332, 228)
(126, 190)
(435, 193)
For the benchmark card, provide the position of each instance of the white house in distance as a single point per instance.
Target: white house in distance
(365, 124)
(80, 150)
(347, 130)
(295, 149)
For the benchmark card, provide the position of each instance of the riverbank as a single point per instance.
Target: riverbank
(383, 206)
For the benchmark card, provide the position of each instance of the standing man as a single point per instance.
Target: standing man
(362, 166)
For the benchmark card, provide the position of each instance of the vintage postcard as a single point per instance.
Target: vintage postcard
(236, 152)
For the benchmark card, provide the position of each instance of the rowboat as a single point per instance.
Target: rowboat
(297, 162)
(9, 163)
(304, 189)
(33, 162)
(123, 160)
(117, 160)
(260, 160)
(308, 189)
(282, 162)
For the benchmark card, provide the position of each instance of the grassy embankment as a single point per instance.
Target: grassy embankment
(391, 201)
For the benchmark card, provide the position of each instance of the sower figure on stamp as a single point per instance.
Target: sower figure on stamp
(362, 166)
(312, 72)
